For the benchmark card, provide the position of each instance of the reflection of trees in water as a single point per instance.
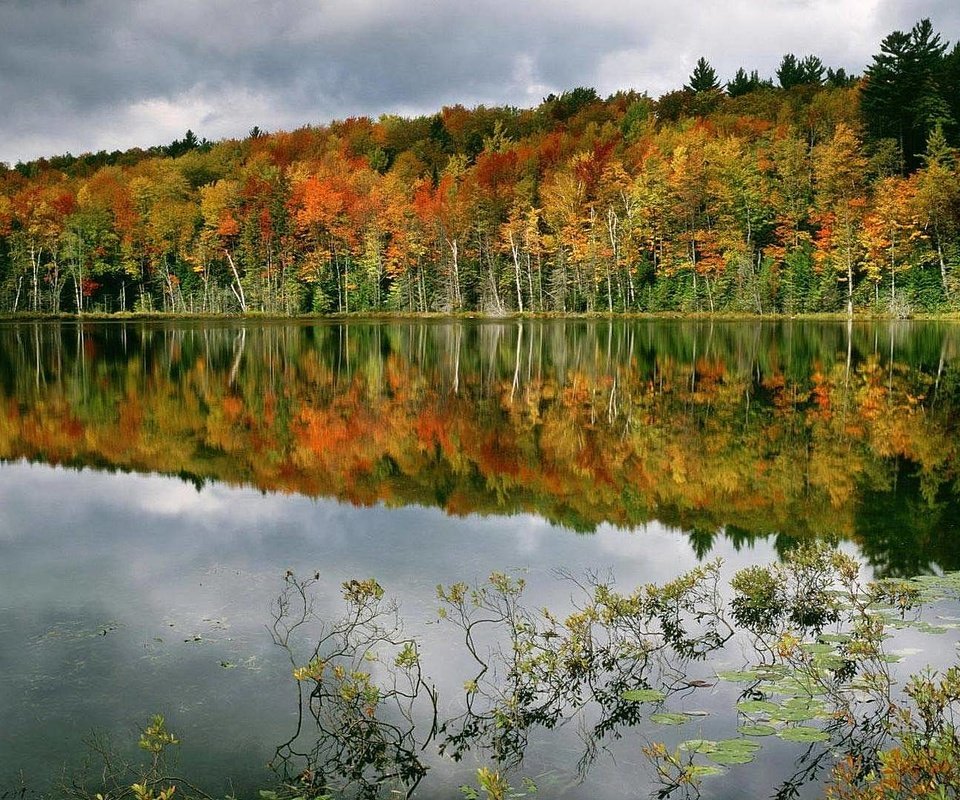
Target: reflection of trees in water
(811, 631)
(722, 429)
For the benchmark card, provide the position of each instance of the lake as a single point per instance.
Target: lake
(164, 485)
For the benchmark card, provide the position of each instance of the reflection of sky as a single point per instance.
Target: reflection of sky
(104, 576)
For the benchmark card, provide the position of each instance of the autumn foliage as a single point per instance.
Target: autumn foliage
(766, 199)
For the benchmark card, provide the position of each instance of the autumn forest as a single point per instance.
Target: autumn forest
(810, 191)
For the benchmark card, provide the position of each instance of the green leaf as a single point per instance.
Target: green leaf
(827, 661)
(739, 676)
(757, 706)
(703, 770)
(803, 733)
(926, 627)
(818, 648)
(732, 756)
(795, 687)
(836, 638)
(793, 715)
(669, 718)
(739, 745)
(643, 695)
(757, 730)
(699, 746)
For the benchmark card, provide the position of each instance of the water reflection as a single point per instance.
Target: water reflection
(722, 429)
(183, 583)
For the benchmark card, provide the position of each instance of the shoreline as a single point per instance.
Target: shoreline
(413, 316)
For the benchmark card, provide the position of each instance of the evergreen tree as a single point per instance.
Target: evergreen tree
(950, 86)
(902, 96)
(703, 78)
(743, 83)
(812, 69)
(790, 73)
(794, 71)
(839, 79)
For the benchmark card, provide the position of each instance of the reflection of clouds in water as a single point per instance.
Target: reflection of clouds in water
(189, 577)
(180, 499)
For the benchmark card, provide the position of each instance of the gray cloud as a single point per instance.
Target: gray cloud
(81, 75)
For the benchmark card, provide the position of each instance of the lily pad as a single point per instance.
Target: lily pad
(643, 695)
(732, 756)
(791, 686)
(739, 676)
(836, 638)
(738, 744)
(803, 733)
(827, 661)
(757, 729)
(669, 718)
(699, 746)
(703, 770)
(818, 648)
(926, 627)
(793, 715)
(757, 706)
(772, 671)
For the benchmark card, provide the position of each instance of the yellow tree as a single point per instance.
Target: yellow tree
(738, 211)
(938, 204)
(889, 230)
(839, 167)
(564, 215)
(162, 198)
(220, 229)
(688, 196)
(650, 199)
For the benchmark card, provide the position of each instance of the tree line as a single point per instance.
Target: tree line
(817, 192)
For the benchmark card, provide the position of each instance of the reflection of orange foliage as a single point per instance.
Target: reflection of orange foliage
(431, 431)
(624, 445)
(232, 406)
(820, 395)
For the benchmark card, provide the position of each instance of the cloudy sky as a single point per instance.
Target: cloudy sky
(80, 75)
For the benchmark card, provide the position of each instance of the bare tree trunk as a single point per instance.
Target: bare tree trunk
(516, 363)
(943, 264)
(35, 268)
(455, 253)
(238, 288)
(516, 271)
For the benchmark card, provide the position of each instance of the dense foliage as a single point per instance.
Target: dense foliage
(819, 193)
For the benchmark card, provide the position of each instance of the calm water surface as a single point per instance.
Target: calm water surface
(158, 481)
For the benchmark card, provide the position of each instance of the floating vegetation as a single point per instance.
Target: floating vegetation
(757, 729)
(757, 707)
(618, 662)
(739, 676)
(803, 733)
(669, 718)
(643, 695)
(732, 754)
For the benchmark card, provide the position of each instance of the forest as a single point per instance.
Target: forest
(809, 192)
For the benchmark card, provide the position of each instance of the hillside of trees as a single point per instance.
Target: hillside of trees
(810, 191)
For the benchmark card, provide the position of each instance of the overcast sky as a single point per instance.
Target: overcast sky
(81, 75)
